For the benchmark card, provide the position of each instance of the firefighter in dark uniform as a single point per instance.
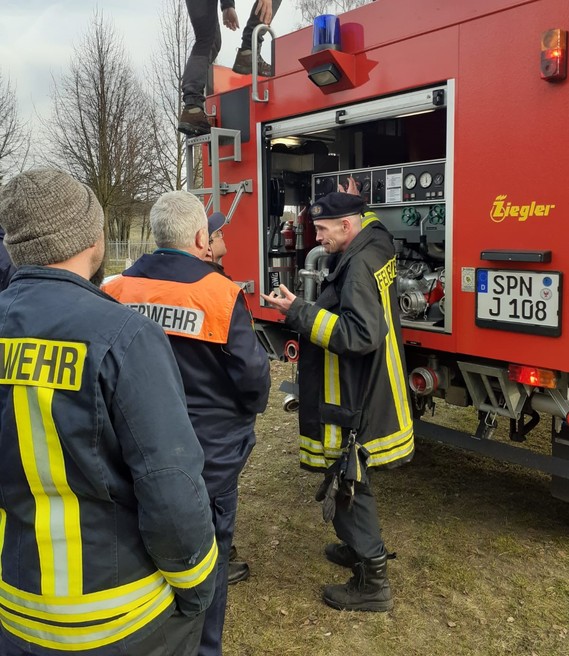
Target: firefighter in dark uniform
(224, 368)
(354, 407)
(107, 546)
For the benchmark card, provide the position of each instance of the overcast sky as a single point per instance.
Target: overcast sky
(37, 38)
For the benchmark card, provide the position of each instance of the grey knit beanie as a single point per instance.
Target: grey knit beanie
(48, 217)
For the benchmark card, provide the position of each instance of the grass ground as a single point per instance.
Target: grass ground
(482, 562)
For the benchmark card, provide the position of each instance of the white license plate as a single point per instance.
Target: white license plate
(522, 301)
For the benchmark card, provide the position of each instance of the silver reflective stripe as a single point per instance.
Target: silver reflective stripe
(394, 366)
(382, 443)
(56, 508)
(172, 318)
(322, 328)
(312, 460)
(59, 609)
(86, 636)
(195, 575)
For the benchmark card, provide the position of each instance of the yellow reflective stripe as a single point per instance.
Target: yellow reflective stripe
(78, 638)
(81, 609)
(311, 444)
(316, 326)
(369, 217)
(388, 441)
(331, 322)
(57, 518)
(332, 432)
(392, 447)
(312, 453)
(397, 378)
(111, 598)
(71, 516)
(43, 508)
(322, 328)
(312, 460)
(2, 531)
(381, 457)
(189, 578)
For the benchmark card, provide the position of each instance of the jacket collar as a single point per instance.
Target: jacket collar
(339, 261)
(28, 272)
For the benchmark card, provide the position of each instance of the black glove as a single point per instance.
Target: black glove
(321, 491)
(329, 502)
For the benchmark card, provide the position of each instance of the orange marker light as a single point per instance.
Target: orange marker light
(532, 376)
(554, 55)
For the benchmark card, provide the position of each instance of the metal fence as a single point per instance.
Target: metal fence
(123, 253)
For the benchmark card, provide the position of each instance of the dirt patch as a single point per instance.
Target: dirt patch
(482, 562)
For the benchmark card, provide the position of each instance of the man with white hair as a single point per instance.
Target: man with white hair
(224, 368)
(106, 541)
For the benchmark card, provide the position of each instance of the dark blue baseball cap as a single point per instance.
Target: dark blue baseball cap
(215, 222)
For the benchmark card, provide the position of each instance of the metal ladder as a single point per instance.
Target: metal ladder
(217, 137)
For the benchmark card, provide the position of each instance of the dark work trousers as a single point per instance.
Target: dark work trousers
(223, 511)
(246, 39)
(358, 526)
(205, 22)
(178, 636)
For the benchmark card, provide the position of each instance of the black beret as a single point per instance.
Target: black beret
(336, 205)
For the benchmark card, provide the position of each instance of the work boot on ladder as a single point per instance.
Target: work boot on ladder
(193, 122)
(244, 64)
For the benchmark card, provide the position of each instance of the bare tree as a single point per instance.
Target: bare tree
(309, 9)
(99, 129)
(14, 134)
(168, 62)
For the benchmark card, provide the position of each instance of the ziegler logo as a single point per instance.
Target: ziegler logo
(502, 209)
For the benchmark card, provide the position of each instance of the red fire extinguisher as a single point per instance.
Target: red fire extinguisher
(305, 236)
(289, 238)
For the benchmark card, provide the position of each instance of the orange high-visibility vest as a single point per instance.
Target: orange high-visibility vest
(197, 310)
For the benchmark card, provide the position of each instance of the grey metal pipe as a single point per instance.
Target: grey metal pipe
(261, 28)
(310, 271)
(552, 403)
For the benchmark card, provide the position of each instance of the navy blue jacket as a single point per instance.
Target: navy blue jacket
(226, 377)
(105, 523)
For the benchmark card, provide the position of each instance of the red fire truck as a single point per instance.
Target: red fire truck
(452, 119)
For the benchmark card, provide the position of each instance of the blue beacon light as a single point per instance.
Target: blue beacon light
(326, 33)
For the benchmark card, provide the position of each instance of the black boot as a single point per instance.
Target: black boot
(368, 589)
(238, 571)
(341, 554)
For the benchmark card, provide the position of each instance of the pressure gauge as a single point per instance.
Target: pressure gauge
(326, 185)
(439, 179)
(425, 179)
(410, 181)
